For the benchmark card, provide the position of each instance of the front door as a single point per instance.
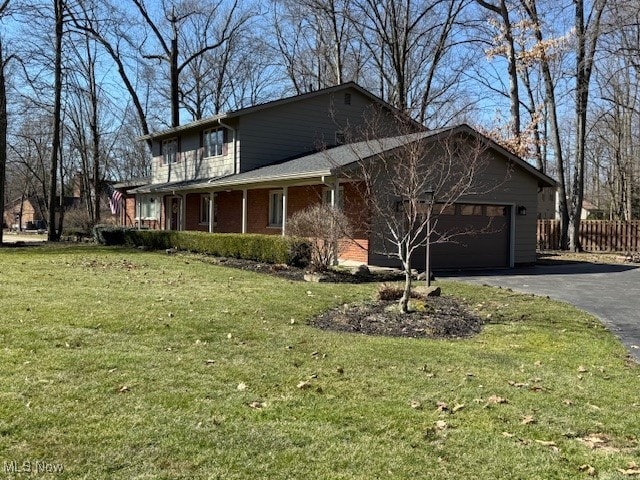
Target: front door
(174, 213)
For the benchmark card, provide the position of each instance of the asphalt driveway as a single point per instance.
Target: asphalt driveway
(610, 292)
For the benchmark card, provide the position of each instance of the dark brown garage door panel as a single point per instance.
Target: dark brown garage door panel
(487, 247)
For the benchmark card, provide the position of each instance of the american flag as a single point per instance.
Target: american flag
(115, 199)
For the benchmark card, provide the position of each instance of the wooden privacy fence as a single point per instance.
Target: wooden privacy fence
(595, 235)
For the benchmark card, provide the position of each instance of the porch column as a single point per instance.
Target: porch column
(139, 211)
(211, 210)
(244, 210)
(334, 202)
(334, 192)
(284, 210)
(183, 211)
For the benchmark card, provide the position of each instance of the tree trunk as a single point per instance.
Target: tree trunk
(175, 88)
(53, 234)
(3, 134)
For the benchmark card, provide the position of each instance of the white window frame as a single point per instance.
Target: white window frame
(170, 151)
(148, 208)
(205, 208)
(213, 142)
(275, 208)
(326, 197)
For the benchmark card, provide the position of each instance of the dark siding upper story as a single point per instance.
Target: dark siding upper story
(310, 124)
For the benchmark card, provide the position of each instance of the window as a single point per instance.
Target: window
(275, 208)
(326, 197)
(347, 99)
(496, 211)
(466, 209)
(169, 151)
(205, 208)
(213, 142)
(340, 138)
(446, 210)
(148, 208)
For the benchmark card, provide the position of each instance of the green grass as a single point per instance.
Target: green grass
(126, 364)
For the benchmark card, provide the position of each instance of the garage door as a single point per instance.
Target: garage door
(480, 238)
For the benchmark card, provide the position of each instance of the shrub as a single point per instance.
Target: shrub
(109, 234)
(390, 293)
(323, 225)
(261, 248)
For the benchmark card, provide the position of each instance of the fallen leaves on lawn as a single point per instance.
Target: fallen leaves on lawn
(441, 425)
(593, 441)
(303, 385)
(528, 419)
(588, 469)
(257, 405)
(242, 386)
(632, 469)
(496, 400)
(123, 389)
(416, 405)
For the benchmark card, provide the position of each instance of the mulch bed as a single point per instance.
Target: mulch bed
(444, 317)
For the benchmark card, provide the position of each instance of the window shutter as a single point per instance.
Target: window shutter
(178, 149)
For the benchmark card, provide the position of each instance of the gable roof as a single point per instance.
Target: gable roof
(327, 162)
(214, 120)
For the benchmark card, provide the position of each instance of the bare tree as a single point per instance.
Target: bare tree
(55, 230)
(587, 28)
(317, 42)
(107, 26)
(408, 181)
(4, 58)
(412, 47)
(169, 45)
(507, 48)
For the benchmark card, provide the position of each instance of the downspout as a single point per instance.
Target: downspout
(236, 165)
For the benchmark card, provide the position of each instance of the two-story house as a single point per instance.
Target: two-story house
(249, 170)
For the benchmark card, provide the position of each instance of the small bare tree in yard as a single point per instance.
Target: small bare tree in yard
(408, 181)
(324, 226)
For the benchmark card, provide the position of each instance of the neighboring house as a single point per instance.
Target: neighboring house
(25, 213)
(548, 203)
(590, 211)
(249, 170)
(549, 206)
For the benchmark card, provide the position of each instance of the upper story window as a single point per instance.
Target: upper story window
(169, 151)
(213, 142)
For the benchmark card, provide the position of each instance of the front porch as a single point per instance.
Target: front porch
(263, 210)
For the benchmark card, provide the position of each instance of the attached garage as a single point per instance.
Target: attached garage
(468, 236)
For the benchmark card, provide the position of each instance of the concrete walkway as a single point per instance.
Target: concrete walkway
(610, 292)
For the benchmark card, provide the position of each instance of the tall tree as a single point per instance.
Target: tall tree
(170, 52)
(413, 47)
(587, 31)
(3, 117)
(55, 230)
(502, 9)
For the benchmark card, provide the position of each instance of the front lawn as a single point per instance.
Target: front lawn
(128, 364)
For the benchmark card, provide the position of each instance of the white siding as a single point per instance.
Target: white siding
(191, 165)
